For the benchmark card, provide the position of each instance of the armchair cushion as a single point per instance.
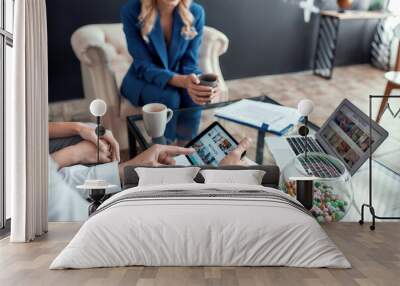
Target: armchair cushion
(110, 40)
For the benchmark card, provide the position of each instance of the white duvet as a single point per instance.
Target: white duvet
(200, 231)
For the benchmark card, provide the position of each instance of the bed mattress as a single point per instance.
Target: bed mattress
(201, 225)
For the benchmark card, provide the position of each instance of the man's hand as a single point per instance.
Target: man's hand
(107, 141)
(86, 132)
(156, 155)
(84, 152)
(160, 155)
(200, 94)
(234, 158)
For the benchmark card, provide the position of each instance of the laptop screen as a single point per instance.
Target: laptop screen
(346, 135)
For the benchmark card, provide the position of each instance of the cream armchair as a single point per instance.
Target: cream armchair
(102, 51)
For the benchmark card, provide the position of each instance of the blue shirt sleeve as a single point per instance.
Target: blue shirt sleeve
(190, 59)
(143, 63)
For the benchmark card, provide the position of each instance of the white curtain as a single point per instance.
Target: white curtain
(27, 123)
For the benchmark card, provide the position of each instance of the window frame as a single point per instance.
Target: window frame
(6, 39)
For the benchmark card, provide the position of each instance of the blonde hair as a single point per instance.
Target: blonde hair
(148, 16)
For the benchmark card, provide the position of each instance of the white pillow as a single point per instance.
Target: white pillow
(166, 176)
(247, 177)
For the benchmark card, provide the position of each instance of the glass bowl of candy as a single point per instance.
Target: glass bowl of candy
(332, 187)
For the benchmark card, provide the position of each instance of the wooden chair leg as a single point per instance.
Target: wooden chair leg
(384, 101)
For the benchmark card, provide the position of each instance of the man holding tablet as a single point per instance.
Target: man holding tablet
(66, 203)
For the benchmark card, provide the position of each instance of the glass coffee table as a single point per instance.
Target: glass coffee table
(139, 140)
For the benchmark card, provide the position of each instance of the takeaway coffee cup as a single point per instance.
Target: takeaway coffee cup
(209, 79)
(155, 117)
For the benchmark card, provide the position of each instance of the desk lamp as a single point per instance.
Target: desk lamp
(305, 107)
(97, 188)
(98, 108)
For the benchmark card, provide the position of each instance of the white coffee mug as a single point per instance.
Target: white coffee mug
(155, 117)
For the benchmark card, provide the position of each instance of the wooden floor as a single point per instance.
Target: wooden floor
(375, 257)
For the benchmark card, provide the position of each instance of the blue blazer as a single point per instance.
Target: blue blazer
(153, 62)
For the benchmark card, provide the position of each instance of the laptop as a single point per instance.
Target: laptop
(345, 135)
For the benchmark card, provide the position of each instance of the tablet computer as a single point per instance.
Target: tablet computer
(211, 146)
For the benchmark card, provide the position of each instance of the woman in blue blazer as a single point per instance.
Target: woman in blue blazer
(164, 38)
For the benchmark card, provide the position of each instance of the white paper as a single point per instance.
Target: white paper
(257, 113)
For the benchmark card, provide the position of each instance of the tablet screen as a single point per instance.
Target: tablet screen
(212, 146)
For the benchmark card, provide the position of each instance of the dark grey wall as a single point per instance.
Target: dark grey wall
(271, 37)
(63, 18)
(266, 37)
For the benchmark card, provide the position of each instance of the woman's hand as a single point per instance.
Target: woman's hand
(200, 94)
(89, 133)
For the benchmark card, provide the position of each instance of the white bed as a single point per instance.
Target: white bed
(267, 229)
